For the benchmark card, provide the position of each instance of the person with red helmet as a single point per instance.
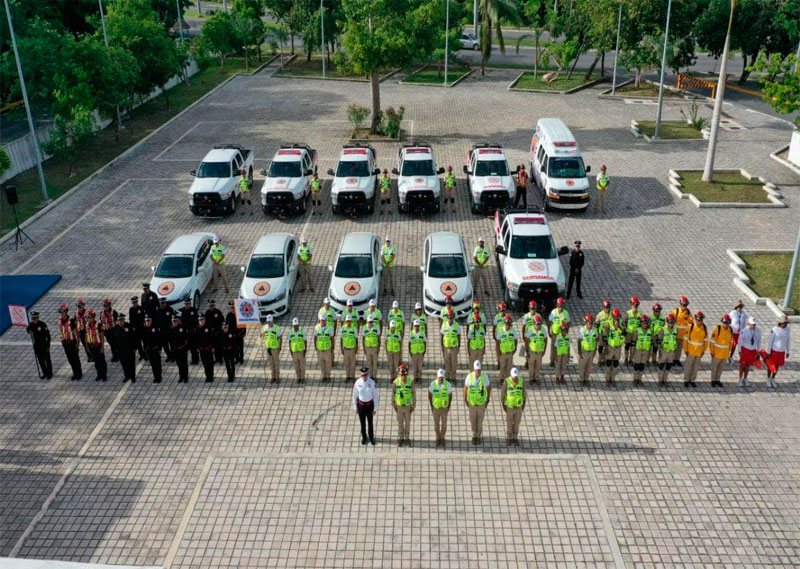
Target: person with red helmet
(613, 340)
(96, 345)
(499, 320)
(668, 346)
(450, 188)
(695, 343)
(69, 334)
(602, 190)
(394, 345)
(476, 310)
(448, 306)
(657, 322)
(417, 346)
(522, 186)
(642, 347)
(720, 349)
(506, 338)
(527, 323)
(480, 277)
(587, 345)
(558, 316)
(601, 321)
(561, 348)
(451, 343)
(404, 401)
(536, 344)
(683, 320)
(630, 322)
(476, 338)
(80, 319)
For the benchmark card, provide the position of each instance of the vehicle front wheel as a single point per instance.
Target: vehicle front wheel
(196, 300)
(476, 47)
(507, 297)
(232, 205)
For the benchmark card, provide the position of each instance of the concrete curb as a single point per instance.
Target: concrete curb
(776, 156)
(638, 134)
(448, 86)
(742, 281)
(287, 62)
(266, 63)
(280, 75)
(607, 94)
(580, 87)
(773, 194)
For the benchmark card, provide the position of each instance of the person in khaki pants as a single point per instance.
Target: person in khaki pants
(299, 347)
(642, 347)
(417, 346)
(323, 342)
(394, 345)
(404, 401)
(477, 392)
(371, 340)
(506, 338)
(720, 348)
(273, 342)
(560, 346)
(440, 395)
(349, 347)
(513, 404)
(668, 346)
(587, 345)
(537, 344)
(451, 342)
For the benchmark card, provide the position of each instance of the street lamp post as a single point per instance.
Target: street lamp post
(105, 38)
(45, 197)
(616, 51)
(663, 67)
(792, 272)
(180, 20)
(475, 17)
(446, 41)
(322, 30)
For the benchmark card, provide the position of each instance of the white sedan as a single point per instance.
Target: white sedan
(185, 268)
(271, 273)
(446, 272)
(356, 275)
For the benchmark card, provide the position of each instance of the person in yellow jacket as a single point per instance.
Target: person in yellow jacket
(404, 400)
(683, 320)
(513, 403)
(695, 343)
(720, 349)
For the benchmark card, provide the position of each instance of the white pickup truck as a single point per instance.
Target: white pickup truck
(418, 184)
(355, 181)
(287, 188)
(491, 186)
(527, 258)
(216, 183)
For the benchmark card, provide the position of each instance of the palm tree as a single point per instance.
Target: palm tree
(491, 11)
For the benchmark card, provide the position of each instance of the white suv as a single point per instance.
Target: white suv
(185, 268)
(418, 185)
(287, 188)
(491, 186)
(355, 181)
(356, 274)
(446, 272)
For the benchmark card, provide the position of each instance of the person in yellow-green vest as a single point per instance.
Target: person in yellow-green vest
(388, 261)
(244, 188)
(394, 345)
(386, 192)
(396, 315)
(642, 347)
(349, 347)
(323, 342)
(587, 345)
(218, 254)
(420, 316)
(417, 346)
(613, 339)
(404, 400)
(506, 339)
(601, 321)
(450, 189)
(558, 316)
(332, 321)
(271, 333)
(513, 402)
(304, 257)
(299, 347)
(527, 321)
(480, 278)
(440, 396)
(477, 392)
(602, 190)
(536, 340)
(375, 313)
(657, 322)
(476, 338)
(451, 343)
(371, 342)
(668, 347)
(350, 311)
(561, 348)
(630, 322)
(316, 197)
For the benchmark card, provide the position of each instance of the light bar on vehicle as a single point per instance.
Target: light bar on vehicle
(490, 151)
(350, 151)
(289, 152)
(419, 150)
(538, 220)
(565, 144)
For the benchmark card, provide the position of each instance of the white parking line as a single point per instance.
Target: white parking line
(176, 141)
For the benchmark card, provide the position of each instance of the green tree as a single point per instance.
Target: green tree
(5, 161)
(247, 20)
(781, 82)
(166, 10)
(536, 14)
(490, 13)
(74, 124)
(220, 37)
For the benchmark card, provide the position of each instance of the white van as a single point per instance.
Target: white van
(557, 167)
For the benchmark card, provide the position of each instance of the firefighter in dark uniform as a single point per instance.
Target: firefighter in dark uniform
(215, 319)
(68, 332)
(227, 343)
(40, 335)
(95, 341)
(205, 338)
(149, 300)
(189, 318)
(163, 320)
(108, 318)
(127, 341)
(179, 342)
(136, 316)
(151, 339)
(230, 318)
(80, 320)
(575, 269)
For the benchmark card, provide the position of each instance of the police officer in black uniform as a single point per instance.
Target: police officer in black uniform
(151, 339)
(228, 348)
(205, 338)
(68, 326)
(179, 342)
(163, 320)
(575, 269)
(136, 316)
(230, 318)
(149, 300)
(127, 341)
(215, 319)
(40, 335)
(189, 318)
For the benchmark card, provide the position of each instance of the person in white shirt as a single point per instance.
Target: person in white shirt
(778, 348)
(738, 323)
(440, 396)
(477, 392)
(365, 404)
(749, 347)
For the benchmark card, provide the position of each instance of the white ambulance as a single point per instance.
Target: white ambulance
(557, 167)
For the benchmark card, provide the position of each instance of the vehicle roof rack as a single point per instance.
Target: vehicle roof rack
(487, 145)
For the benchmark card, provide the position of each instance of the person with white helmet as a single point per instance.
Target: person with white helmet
(396, 315)
(480, 257)
(349, 346)
(420, 316)
(513, 404)
(388, 261)
(330, 318)
(304, 257)
(375, 312)
(298, 347)
(218, 254)
(417, 346)
(323, 342)
(477, 392)
(371, 342)
(394, 346)
(451, 344)
(440, 396)
(352, 312)
(273, 342)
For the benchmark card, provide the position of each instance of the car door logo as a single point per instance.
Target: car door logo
(352, 288)
(261, 288)
(165, 288)
(448, 287)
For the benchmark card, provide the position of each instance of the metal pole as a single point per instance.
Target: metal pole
(475, 18)
(616, 51)
(180, 20)
(105, 38)
(708, 168)
(322, 28)
(663, 67)
(45, 197)
(792, 273)
(797, 57)
(446, 41)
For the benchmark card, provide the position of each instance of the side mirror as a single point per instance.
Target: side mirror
(241, 269)
(308, 172)
(466, 169)
(193, 172)
(517, 170)
(500, 250)
(331, 172)
(152, 268)
(263, 171)
(395, 172)
(422, 268)
(330, 268)
(563, 251)
(588, 169)
(376, 172)
(440, 170)
(471, 268)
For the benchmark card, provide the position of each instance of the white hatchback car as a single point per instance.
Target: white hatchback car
(446, 271)
(270, 273)
(185, 268)
(356, 275)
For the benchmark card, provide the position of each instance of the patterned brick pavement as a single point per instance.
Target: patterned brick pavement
(256, 475)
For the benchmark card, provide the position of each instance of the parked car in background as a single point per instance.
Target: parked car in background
(446, 272)
(356, 273)
(271, 273)
(185, 268)
(215, 188)
(470, 41)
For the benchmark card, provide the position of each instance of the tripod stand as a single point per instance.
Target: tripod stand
(20, 236)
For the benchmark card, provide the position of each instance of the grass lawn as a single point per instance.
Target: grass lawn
(528, 81)
(769, 273)
(139, 123)
(432, 75)
(646, 90)
(670, 130)
(313, 68)
(726, 187)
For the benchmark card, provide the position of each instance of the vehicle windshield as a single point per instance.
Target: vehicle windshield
(417, 168)
(214, 170)
(265, 267)
(354, 267)
(532, 247)
(447, 267)
(358, 169)
(175, 267)
(284, 170)
(491, 168)
(566, 168)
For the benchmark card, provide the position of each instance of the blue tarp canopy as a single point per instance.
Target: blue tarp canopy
(24, 290)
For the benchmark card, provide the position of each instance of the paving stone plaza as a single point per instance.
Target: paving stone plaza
(252, 474)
